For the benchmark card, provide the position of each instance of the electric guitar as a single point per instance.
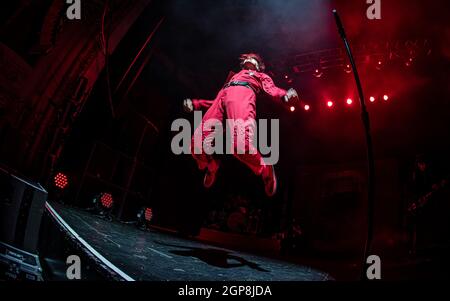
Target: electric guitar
(414, 207)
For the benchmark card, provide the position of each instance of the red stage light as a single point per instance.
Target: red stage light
(317, 73)
(348, 68)
(329, 103)
(106, 199)
(292, 108)
(148, 214)
(306, 107)
(385, 97)
(409, 62)
(349, 101)
(372, 99)
(61, 181)
(379, 65)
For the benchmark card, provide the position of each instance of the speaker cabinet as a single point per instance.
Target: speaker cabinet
(22, 204)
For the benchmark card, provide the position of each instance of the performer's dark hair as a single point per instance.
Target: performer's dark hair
(256, 56)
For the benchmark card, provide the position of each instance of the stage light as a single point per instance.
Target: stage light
(288, 79)
(412, 52)
(318, 72)
(372, 99)
(107, 200)
(148, 214)
(144, 217)
(385, 97)
(306, 107)
(292, 108)
(329, 103)
(102, 205)
(348, 68)
(349, 101)
(379, 65)
(409, 61)
(61, 181)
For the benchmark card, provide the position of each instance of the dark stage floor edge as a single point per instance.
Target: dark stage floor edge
(131, 254)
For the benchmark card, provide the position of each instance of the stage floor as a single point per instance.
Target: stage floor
(155, 255)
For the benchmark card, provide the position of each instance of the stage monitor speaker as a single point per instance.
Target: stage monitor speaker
(16, 264)
(22, 204)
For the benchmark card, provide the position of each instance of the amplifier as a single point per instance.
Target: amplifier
(16, 264)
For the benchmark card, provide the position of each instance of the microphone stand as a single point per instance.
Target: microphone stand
(370, 157)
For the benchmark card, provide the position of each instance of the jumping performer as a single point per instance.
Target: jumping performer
(236, 101)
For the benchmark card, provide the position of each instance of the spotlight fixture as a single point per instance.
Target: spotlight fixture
(412, 51)
(409, 61)
(347, 68)
(106, 200)
(379, 64)
(144, 217)
(318, 72)
(103, 204)
(61, 180)
(288, 79)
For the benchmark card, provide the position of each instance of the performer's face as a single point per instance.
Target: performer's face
(250, 64)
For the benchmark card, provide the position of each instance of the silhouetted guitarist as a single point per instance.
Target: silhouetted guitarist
(423, 189)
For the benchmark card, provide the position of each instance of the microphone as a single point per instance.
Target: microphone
(339, 24)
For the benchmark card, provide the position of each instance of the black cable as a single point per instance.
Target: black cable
(370, 156)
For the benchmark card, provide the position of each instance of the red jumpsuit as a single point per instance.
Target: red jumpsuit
(234, 102)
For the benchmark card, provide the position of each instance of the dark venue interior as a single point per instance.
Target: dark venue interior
(86, 115)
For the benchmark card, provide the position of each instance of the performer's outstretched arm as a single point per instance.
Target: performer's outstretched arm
(201, 104)
(277, 93)
(270, 88)
(190, 105)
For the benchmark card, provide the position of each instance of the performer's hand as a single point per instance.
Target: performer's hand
(187, 105)
(291, 95)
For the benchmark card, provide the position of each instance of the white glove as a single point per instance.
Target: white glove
(291, 94)
(187, 105)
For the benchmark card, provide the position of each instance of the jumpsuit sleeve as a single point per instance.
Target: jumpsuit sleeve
(200, 104)
(204, 104)
(270, 88)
